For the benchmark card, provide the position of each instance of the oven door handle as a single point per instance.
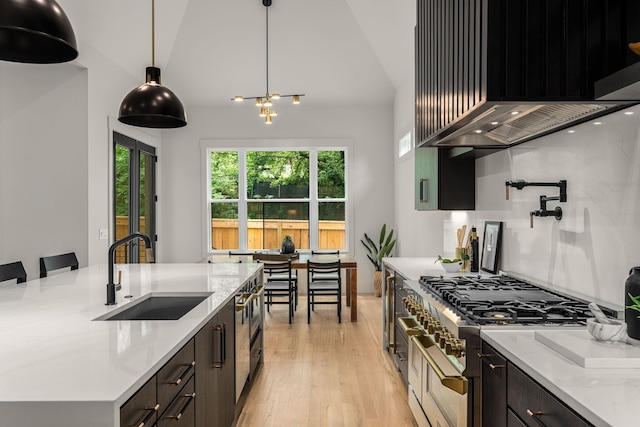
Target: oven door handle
(457, 383)
(246, 297)
(409, 326)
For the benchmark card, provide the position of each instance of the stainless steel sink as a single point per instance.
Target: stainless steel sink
(158, 307)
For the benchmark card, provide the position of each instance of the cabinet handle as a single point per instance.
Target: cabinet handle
(424, 194)
(222, 345)
(184, 374)
(535, 416)
(190, 397)
(491, 365)
(152, 410)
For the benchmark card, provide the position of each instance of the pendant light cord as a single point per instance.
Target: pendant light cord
(267, 38)
(153, 33)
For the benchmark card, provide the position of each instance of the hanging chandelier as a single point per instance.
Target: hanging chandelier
(265, 102)
(152, 105)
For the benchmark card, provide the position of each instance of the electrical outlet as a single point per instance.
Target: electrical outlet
(104, 234)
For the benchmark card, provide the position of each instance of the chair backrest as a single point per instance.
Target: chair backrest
(277, 267)
(332, 267)
(55, 262)
(13, 270)
(326, 252)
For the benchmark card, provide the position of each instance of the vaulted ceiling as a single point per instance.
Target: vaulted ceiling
(337, 52)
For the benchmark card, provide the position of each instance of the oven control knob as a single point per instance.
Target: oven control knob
(454, 348)
(434, 326)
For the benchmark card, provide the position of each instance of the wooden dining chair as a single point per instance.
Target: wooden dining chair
(283, 287)
(13, 270)
(324, 279)
(56, 262)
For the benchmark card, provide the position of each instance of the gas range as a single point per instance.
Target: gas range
(504, 300)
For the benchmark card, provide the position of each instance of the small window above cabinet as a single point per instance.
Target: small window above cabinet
(444, 181)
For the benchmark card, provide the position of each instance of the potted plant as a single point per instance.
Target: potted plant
(375, 253)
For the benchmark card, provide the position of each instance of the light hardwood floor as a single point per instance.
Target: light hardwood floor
(325, 373)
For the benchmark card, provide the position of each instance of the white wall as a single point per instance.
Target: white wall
(371, 180)
(43, 163)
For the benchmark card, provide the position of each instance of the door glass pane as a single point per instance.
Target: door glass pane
(224, 226)
(224, 175)
(332, 232)
(277, 174)
(122, 185)
(331, 174)
(146, 202)
(270, 222)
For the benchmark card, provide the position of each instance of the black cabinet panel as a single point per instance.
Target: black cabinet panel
(494, 387)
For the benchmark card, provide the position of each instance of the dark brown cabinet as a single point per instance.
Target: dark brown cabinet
(181, 411)
(510, 398)
(167, 397)
(142, 408)
(215, 374)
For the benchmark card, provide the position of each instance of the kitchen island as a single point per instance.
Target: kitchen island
(62, 367)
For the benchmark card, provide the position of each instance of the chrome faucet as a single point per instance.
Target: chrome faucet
(112, 287)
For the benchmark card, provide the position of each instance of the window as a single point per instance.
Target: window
(405, 144)
(134, 196)
(257, 197)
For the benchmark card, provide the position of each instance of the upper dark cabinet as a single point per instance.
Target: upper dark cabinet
(494, 73)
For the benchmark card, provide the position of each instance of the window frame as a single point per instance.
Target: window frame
(313, 146)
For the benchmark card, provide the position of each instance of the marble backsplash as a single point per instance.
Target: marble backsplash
(591, 250)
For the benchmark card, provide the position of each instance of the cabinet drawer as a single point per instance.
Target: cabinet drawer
(181, 412)
(536, 406)
(142, 407)
(175, 373)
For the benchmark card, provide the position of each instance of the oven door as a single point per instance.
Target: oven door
(445, 393)
(255, 310)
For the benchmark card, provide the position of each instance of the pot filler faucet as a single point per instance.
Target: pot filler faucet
(112, 287)
(543, 211)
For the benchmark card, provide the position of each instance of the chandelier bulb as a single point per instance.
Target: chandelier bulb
(267, 120)
(238, 98)
(275, 96)
(296, 99)
(258, 102)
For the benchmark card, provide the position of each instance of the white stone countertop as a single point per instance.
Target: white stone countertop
(413, 268)
(60, 367)
(606, 397)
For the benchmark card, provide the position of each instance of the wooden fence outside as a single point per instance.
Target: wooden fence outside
(224, 234)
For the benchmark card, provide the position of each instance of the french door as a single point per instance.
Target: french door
(134, 195)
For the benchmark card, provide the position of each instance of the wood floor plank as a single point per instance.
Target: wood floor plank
(325, 373)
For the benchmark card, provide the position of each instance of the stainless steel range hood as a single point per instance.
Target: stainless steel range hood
(495, 73)
(500, 125)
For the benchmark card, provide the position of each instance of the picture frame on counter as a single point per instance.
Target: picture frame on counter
(491, 243)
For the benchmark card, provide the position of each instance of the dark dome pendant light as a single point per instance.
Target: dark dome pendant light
(35, 32)
(152, 105)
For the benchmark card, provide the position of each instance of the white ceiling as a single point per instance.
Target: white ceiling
(337, 52)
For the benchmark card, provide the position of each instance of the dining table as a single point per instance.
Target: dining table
(299, 261)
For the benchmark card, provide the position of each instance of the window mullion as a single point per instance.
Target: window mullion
(313, 199)
(243, 229)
